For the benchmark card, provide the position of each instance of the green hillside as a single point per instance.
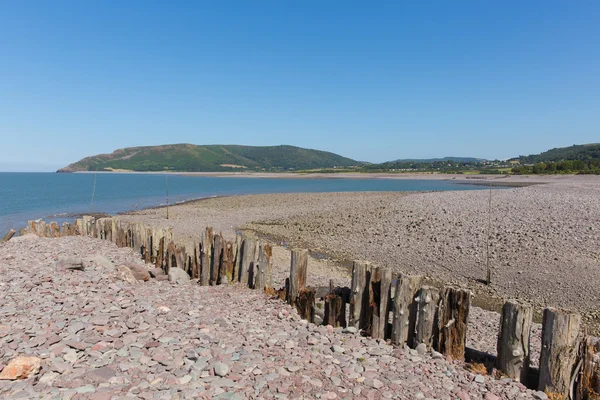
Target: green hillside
(576, 152)
(580, 159)
(209, 158)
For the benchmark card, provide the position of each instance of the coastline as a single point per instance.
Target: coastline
(459, 178)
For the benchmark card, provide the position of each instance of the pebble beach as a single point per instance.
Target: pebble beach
(82, 332)
(95, 334)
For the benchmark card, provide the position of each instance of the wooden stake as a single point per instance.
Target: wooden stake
(335, 311)
(513, 340)
(160, 256)
(428, 299)
(8, 236)
(306, 304)
(379, 300)
(264, 270)
(452, 322)
(216, 260)
(298, 273)
(560, 331)
(405, 309)
(248, 255)
(228, 261)
(207, 243)
(360, 317)
(588, 387)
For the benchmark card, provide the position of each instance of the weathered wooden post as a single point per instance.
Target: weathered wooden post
(305, 304)
(265, 266)
(171, 257)
(560, 331)
(67, 229)
(335, 309)
(160, 254)
(248, 255)
(207, 243)
(8, 236)
(452, 322)
(217, 260)
(228, 263)
(588, 387)
(405, 309)
(513, 340)
(360, 317)
(195, 261)
(379, 300)
(55, 229)
(237, 257)
(428, 299)
(298, 273)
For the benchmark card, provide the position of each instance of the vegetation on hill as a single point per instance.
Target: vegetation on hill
(448, 166)
(445, 159)
(575, 152)
(581, 159)
(211, 158)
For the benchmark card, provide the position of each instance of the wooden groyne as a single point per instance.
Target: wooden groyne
(380, 303)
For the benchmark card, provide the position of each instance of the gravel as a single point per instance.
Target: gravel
(98, 337)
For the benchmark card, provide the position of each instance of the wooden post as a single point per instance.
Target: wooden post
(8, 236)
(237, 257)
(181, 258)
(379, 300)
(207, 243)
(228, 263)
(428, 299)
(247, 263)
(452, 322)
(298, 272)
(171, 261)
(560, 331)
(264, 270)
(55, 229)
(588, 387)
(195, 262)
(335, 311)
(216, 260)
(305, 304)
(513, 340)
(160, 255)
(359, 298)
(405, 309)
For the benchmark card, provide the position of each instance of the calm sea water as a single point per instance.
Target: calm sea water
(61, 197)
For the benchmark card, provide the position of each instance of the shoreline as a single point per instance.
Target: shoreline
(459, 178)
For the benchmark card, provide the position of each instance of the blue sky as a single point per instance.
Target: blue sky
(374, 81)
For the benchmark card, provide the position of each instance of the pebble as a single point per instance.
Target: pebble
(337, 349)
(221, 369)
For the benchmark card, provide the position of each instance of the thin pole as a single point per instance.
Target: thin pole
(93, 192)
(167, 196)
(488, 279)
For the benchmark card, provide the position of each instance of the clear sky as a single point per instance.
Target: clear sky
(374, 81)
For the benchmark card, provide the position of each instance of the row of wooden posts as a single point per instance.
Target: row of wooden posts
(382, 305)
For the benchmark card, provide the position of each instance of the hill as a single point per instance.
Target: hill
(209, 158)
(582, 152)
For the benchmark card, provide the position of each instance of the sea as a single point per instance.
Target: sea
(65, 196)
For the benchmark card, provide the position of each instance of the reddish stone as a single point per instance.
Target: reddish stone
(21, 368)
